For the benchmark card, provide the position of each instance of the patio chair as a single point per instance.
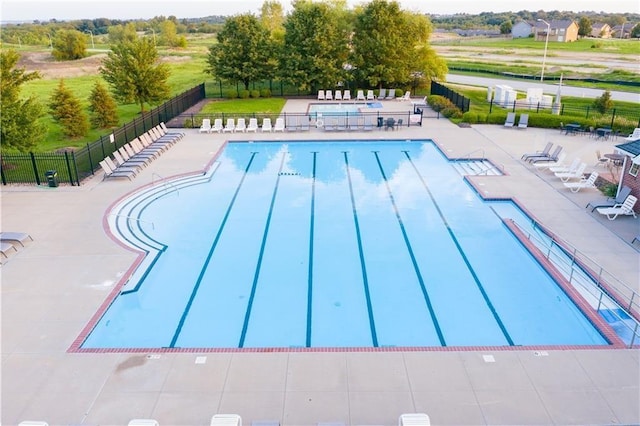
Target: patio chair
(544, 152)
(601, 160)
(217, 125)
(391, 95)
(347, 95)
(511, 119)
(524, 121)
(611, 201)
(305, 123)
(546, 157)
(230, 126)
(355, 122)
(279, 126)
(206, 126)
(266, 125)
(114, 167)
(110, 172)
(178, 135)
(625, 209)
(370, 95)
(241, 126)
(226, 420)
(414, 419)
(563, 169)
(338, 95)
(328, 95)
(291, 123)
(590, 182)
(382, 93)
(634, 136)
(541, 165)
(390, 123)
(321, 95)
(577, 173)
(405, 97)
(368, 123)
(253, 125)
(18, 237)
(119, 161)
(360, 95)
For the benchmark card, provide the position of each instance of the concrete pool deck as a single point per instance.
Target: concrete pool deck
(53, 286)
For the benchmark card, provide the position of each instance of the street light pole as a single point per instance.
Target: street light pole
(93, 46)
(546, 43)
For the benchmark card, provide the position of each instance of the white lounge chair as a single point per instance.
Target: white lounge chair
(347, 95)
(217, 125)
(321, 95)
(279, 126)
(382, 93)
(634, 136)
(405, 97)
(230, 126)
(328, 95)
(241, 126)
(206, 126)
(625, 208)
(420, 103)
(143, 422)
(563, 169)
(226, 420)
(338, 95)
(391, 95)
(524, 121)
(18, 237)
(576, 174)
(414, 419)
(253, 125)
(305, 121)
(590, 182)
(266, 125)
(370, 95)
(611, 201)
(360, 95)
(511, 119)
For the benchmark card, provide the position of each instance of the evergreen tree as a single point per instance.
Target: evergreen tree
(20, 126)
(103, 108)
(65, 109)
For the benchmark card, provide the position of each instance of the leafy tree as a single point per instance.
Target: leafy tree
(243, 53)
(20, 125)
(505, 27)
(635, 31)
(603, 103)
(169, 35)
(390, 46)
(584, 27)
(135, 74)
(315, 48)
(103, 109)
(272, 18)
(65, 109)
(123, 33)
(69, 45)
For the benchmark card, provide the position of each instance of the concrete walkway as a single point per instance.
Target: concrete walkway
(53, 286)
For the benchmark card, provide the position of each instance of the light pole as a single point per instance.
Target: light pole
(546, 43)
(93, 46)
(50, 41)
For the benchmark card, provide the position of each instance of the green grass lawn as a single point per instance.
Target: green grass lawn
(239, 106)
(624, 47)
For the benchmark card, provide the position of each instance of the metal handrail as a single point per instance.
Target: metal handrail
(134, 219)
(572, 261)
(468, 155)
(165, 182)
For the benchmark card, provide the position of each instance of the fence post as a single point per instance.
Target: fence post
(66, 159)
(35, 167)
(613, 118)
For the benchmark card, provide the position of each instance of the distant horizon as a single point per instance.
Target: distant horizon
(71, 10)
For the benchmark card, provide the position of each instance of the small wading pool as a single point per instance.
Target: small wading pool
(330, 244)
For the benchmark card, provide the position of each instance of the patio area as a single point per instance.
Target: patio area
(52, 288)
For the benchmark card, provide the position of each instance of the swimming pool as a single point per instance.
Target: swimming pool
(331, 244)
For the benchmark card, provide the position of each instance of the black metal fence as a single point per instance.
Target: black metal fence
(73, 166)
(462, 102)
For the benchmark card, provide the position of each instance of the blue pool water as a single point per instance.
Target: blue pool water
(333, 244)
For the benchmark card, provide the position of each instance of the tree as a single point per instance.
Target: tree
(103, 109)
(584, 27)
(169, 35)
(20, 125)
(65, 109)
(243, 53)
(390, 46)
(135, 74)
(315, 48)
(122, 33)
(69, 45)
(603, 103)
(272, 18)
(505, 27)
(635, 31)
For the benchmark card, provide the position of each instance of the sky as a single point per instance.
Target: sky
(44, 10)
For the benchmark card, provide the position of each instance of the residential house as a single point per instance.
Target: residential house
(630, 168)
(600, 30)
(560, 31)
(622, 31)
(521, 29)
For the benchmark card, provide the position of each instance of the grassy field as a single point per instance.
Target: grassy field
(507, 45)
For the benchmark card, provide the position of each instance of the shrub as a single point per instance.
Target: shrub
(254, 94)
(452, 112)
(610, 190)
(244, 94)
(188, 123)
(231, 94)
(603, 103)
(438, 103)
(265, 93)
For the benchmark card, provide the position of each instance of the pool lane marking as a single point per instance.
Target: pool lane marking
(203, 270)
(365, 281)
(311, 228)
(416, 268)
(461, 251)
(256, 275)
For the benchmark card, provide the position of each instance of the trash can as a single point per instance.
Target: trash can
(52, 178)
(380, 121)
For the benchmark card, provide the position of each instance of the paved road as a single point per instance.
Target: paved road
(550, 89)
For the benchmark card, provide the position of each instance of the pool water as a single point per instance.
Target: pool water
(334, 244)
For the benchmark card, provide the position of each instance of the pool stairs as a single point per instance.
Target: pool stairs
(476, 167)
